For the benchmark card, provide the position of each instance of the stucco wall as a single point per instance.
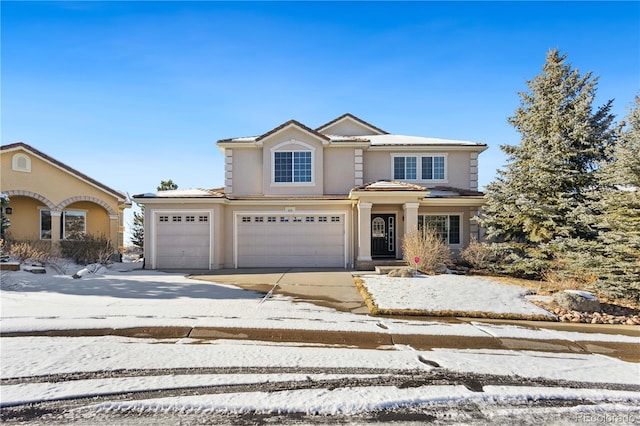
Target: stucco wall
(378, 166)
(339, 170)
(247, 171)
(290, 139)
(48, 186)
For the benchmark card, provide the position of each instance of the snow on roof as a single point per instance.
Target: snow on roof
(190, 192)
(389, 185)
(381, 140)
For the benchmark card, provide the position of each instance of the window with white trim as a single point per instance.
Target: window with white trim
(447, 226)
(246, 219)
(432, 167)
(258, 219)
(164, 219)
(73, 224)
(292, 166)
(203, 218)
(419, 167)
(405, 168)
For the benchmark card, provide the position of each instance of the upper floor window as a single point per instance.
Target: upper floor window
(433, 167)
(292, 166)
(419, 167)
(405, 168)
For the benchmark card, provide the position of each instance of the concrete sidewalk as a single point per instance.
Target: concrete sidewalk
(369, 340)
(328, 287)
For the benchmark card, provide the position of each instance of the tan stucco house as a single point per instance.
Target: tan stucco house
(50, 201)
(341, 195)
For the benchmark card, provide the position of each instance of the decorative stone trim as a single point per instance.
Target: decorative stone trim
(358, 172)
(21, 193)
(228, 169)
(94, 200)
(473, 171)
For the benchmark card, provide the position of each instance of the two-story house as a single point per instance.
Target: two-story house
(341, 195)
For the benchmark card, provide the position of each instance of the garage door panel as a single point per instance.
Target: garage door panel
(295, 242)
(183, 243)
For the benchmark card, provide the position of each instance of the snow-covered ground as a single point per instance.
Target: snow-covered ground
(187, 375)
(451, 293)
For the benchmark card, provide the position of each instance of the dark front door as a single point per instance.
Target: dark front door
(383, 235)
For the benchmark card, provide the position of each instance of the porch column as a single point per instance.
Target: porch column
(114, 232)
(410, 217)
(56, 228)
(364, 231)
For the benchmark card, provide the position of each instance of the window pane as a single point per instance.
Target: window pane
(411, 168)
(74, 224)
(301, 166)
(438, 167)
(439, 223)
(398, 167)
(283, 167)
(427, 167)
(454, 229)
(45, 225)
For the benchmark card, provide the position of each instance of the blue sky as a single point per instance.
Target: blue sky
(132, 93)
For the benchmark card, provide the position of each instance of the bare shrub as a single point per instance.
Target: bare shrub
(33, 251)
(429, 247)
(556, 281)
(85, 249)
(477, 254)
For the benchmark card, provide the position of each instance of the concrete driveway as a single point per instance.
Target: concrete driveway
(333, 288)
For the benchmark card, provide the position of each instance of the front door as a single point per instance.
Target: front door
(383, 235)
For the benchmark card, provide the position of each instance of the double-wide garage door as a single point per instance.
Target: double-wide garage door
(291, 240)
(183, 240)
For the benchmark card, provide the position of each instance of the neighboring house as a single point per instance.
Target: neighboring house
(51, 201)
(341, 195)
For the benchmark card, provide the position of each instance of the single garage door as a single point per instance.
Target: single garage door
(291, 240)
(183, 240)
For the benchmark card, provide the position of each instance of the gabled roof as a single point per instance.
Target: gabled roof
(354, 118)
(292, 123)
(23, 146)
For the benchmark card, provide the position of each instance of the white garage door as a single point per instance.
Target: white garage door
(183, 240)
(291, 240)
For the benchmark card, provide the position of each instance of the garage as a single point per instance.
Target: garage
(290, 240)
(183, 240)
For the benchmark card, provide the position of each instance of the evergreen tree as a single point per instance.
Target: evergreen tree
(137, 234)
(4, 220)
(616, 261)
(542, 197)
(167, 185)
(137, 237)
